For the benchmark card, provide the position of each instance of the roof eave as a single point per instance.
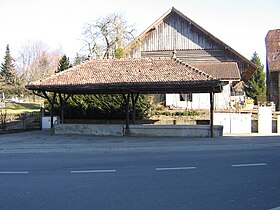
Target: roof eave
(195, 87)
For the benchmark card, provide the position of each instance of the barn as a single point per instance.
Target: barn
(175, 35)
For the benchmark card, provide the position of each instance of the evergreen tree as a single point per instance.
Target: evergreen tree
(8, 69)
(63, 64)
(255, 87)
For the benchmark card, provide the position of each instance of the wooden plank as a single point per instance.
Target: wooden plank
(188, 56)
(211, 114)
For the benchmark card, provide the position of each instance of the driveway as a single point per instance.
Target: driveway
(40, 171)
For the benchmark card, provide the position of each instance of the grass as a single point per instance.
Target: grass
(17, 108)
(178, 113)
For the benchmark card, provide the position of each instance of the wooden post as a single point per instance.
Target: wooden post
(134, 101)
(51, 101)
(211, 114)
(127, 112)
(62, 101)
(51, 113)
(126, 99)
(42, 114)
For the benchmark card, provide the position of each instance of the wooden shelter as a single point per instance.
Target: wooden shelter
(129, 77)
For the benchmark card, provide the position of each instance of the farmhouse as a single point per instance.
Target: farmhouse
(175, 35)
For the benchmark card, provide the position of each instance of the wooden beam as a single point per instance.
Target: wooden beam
(134, 99)
(211, 114)
(62, 101)
(51, 102)
(126, 99)
(38, 93)
(52, 106)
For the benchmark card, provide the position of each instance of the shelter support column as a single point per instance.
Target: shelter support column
(62, 100)
(51, 101)
(134, 99)
(211, 114)
(126, 99)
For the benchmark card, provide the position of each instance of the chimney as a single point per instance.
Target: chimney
(174, 54)
(89, 56)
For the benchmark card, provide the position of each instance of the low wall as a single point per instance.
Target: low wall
(139, 130)
(175, 130)
(89, 129)
(234, 123)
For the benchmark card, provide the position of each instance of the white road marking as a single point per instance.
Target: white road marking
(176, 168)
(247, 165)
(276, 208)
(93, 171)
(14, 172)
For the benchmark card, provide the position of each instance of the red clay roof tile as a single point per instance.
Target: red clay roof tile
(126, 72)
(221, 70)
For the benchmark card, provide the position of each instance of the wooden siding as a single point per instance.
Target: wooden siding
(190, 56)
(176, 33)
(199, 56)
(191, 43)
(273, 88)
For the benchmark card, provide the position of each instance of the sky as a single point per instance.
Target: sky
(241, 24)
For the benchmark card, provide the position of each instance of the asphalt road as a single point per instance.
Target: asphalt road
(38, 171)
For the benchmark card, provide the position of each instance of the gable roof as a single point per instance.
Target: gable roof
(122, 75)
(245, 75)
(273, 50)
(221, 70)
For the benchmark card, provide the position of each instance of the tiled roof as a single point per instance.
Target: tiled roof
(119, 73)
(273, 50)
(220, 70)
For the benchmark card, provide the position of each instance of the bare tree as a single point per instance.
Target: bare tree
(37, 61)
(106, 35)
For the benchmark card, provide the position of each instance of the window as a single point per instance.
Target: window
(186, 97)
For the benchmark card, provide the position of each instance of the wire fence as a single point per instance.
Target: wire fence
(23, 121)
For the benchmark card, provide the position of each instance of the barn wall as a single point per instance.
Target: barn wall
(201, 100)
(177, 33)
(191, 44)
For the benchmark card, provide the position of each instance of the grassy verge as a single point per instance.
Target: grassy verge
(17, 108)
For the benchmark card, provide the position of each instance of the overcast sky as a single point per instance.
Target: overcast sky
(242, 24)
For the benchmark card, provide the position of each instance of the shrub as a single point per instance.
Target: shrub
(100, 106)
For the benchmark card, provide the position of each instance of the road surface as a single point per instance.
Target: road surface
(39, 171)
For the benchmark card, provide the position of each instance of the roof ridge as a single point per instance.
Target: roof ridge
(132, 59)
(195, 69)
